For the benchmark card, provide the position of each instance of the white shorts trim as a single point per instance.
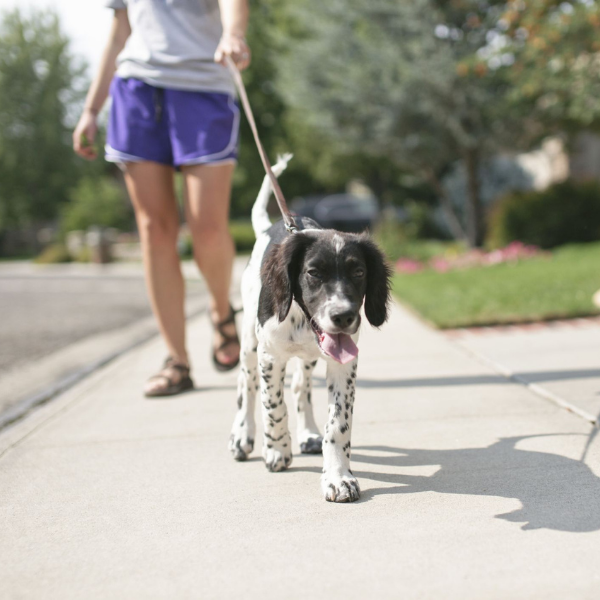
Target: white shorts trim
(112, 155)
(217, 158)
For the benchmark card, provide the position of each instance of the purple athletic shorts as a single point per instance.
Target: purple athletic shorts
(171, 127)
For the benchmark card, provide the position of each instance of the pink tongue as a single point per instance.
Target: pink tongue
(339, 346)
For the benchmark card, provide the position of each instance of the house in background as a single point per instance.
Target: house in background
(552, 164)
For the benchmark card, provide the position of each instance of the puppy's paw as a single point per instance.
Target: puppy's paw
(240, 445)
(277, 459)
(340, 488)
(311, 443)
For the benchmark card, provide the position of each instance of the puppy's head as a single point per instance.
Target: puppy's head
(330, 274)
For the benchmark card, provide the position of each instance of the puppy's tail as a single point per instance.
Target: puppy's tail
(260, 218)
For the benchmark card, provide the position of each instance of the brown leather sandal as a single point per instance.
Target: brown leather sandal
(172, 387)
(228, 339)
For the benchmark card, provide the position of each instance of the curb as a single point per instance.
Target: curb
(23, 407)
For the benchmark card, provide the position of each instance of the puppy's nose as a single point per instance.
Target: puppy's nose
(343, 319)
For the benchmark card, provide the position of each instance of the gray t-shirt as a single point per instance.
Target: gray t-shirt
(172, 44)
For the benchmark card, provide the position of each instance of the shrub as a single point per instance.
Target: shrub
(241, 232)
(97, 201)
(54, 253)
(396, 242)
(564, 213)
(243, 235)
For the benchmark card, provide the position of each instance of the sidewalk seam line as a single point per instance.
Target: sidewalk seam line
(535, 388)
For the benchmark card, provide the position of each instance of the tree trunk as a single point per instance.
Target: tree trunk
(475, 226)
(454, 224)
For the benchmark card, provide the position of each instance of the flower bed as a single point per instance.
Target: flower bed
(514, 252)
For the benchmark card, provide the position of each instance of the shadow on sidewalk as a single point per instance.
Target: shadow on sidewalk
(556, 492)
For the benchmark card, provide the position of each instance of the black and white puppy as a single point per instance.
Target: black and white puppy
(302, 294)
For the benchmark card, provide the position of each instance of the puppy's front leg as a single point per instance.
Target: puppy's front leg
(337, 482)
(277, 446)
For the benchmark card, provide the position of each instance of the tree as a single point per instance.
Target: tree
(40, 81)
(270, 113)
(319, 166)
(97, 201)
(409, 81)
(553, 49)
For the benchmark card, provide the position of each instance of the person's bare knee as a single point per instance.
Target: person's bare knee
(157, 231)
(209, 239)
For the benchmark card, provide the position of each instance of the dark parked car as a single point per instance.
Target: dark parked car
(344, 212)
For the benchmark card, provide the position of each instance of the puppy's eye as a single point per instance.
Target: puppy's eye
(359, 273)
(314, 273)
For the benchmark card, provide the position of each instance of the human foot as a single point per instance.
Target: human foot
(173, 378)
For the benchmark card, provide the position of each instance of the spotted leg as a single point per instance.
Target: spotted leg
(241, 441)
(337, 482)
(277, 447)
(309, 438)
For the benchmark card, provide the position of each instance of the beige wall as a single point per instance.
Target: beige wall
(585, 157)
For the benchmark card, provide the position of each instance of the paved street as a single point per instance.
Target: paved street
(58, 321)
(46, 308)
(473, 488)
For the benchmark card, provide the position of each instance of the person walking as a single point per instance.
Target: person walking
(173, 108)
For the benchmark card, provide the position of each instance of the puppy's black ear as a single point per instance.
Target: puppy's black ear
(279, 275)
(377, 297)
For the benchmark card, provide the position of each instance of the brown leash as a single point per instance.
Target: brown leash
(288, 219)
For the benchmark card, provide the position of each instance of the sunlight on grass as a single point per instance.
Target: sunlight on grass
(557, 286)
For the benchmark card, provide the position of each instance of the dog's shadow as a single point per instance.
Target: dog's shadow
(556, 492)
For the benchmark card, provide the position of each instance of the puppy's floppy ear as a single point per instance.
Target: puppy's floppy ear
(280, 272)
(377, 297)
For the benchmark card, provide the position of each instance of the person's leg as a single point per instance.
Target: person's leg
(151, 189)
(208, 190)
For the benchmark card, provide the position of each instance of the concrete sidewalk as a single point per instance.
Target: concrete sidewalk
(560, 356)
(473, 487)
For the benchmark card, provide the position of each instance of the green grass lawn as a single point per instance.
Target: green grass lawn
(542, 288)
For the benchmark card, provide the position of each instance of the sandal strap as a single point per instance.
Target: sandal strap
(169, 363)
(227, 339)
(169, 381)
(180, 367)
(227, 320)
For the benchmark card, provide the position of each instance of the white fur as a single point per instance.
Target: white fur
(338, 242)
(260, 218)
(265, 352)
